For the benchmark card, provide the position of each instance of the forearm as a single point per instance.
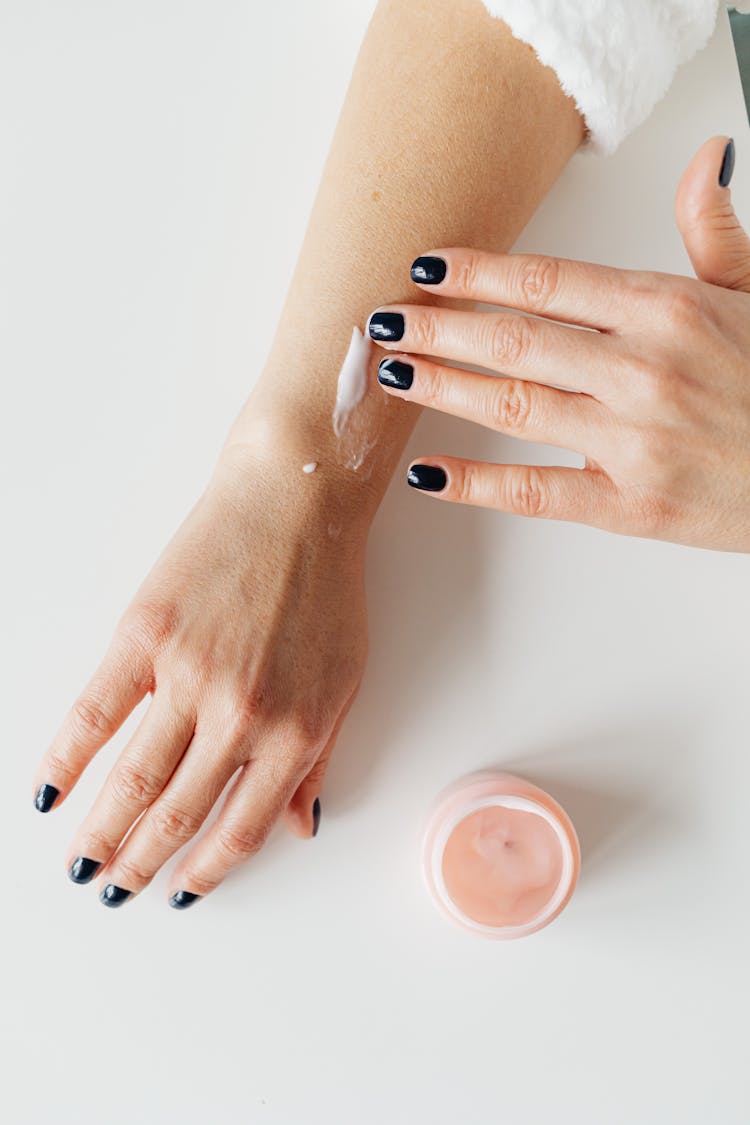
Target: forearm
(451, 134)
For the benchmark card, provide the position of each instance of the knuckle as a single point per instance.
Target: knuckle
(238, 842)
(97, 843)
(539, 280)
(198, 881)
(509, 340)
(90, 719)
(150, 623)
(510, 405)
(61, 767)
(526, 492)
(174, 824)
(684, 306)
(468, 273)
(426, 330)
(464, 483)
(130, 874)
(244, 710)
(134, 785)
(434, 388)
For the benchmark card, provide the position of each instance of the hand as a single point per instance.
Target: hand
(656, 398)
(250, 636)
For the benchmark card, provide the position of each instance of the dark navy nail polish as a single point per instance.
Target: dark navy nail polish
(386, 326)
(428, 271)
(727, 165)
(428, 478)
(316, 816)
(396, 373)
(46, 795)
(82, 869)
(114, 896)
(181, 900)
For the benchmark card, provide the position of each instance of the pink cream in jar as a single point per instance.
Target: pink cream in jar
(501, 857)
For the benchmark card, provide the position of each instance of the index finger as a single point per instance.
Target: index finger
(563, 289)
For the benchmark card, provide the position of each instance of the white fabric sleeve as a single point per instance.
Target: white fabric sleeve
(615, 58)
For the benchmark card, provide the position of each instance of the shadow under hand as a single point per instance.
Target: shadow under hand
(426, 583)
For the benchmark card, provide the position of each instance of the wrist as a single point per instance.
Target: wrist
(297, 457)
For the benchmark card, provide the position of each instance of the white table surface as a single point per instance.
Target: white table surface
(159, 161)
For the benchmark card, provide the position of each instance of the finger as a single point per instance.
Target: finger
(543, 492)
(173, 819)
(507, 343)
(135, 781)
(714, 238)
(256, 800)
(515, 407)
(563, 289)
(117, 686)
(302, 814)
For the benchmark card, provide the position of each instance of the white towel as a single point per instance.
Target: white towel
(615, 58)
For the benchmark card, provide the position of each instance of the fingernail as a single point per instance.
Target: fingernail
(428, 478)
(727, 165)
(114, 896)
(428, 271)
(83, 870)
(386, 326)
(46, 795)
(181, 900)
(316, 816)
(396, 373)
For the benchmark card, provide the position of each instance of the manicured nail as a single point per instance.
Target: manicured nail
(428, 478)
(428, 271)
(396, 373)
(114, 896)
(181, 900)
(83, 870)
(386, 326)
(727, 165)
(316, 816)
(46, 795)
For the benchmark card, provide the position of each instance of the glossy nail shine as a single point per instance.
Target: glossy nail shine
(46, 795)
(181, 900)
(428, 270)
(727, 165)
(82, 869)
(386, 326)
(114, 896)
(396, 374)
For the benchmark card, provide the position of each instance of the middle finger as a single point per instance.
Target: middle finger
(505, 342)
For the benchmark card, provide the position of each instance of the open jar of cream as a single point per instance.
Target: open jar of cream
(501, 857)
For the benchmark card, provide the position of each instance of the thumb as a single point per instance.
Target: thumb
(714, 239)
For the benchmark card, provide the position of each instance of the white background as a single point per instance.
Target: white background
(158, 165)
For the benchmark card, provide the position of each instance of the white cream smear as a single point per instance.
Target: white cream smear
(352, 382)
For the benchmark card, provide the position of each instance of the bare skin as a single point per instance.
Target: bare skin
(249, 634)
(657, 397)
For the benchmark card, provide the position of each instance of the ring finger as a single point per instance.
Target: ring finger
(515, 407)
(135, 781)
(171, 821)
(507, 343)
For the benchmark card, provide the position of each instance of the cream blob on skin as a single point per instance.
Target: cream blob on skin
(352, 382)
(501, 857)
(310, 467)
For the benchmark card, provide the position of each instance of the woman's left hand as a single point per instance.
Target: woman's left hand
(656, 398)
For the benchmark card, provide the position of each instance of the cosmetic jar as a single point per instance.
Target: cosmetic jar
(501, 857)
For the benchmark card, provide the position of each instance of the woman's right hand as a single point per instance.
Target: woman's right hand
(250, 635)
(657, 398)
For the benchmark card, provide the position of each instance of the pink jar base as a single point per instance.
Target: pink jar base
(448, 824)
